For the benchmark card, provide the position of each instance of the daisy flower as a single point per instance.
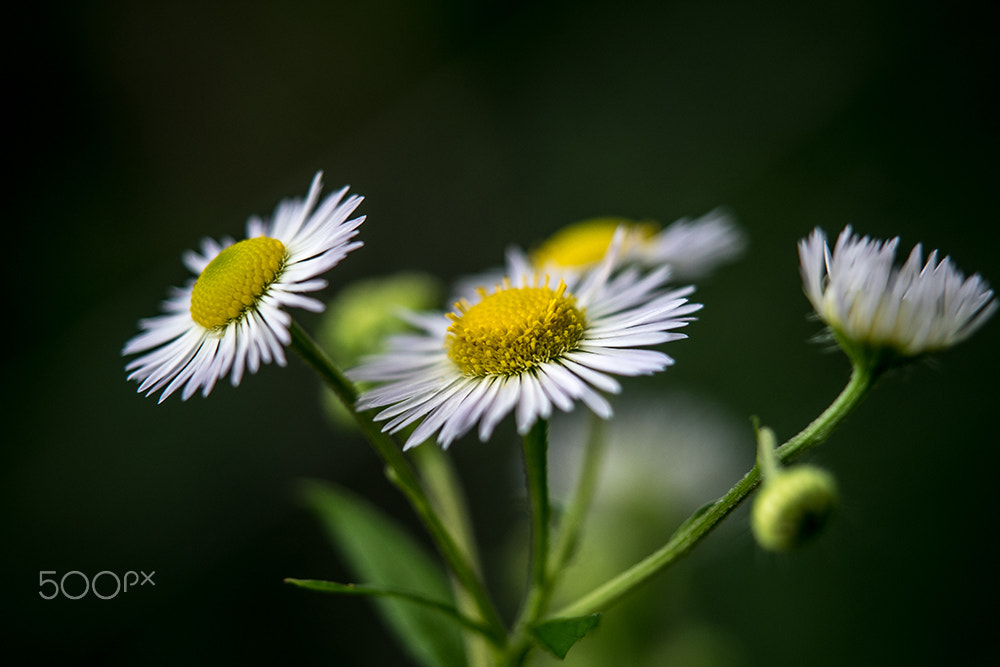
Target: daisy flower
(231, 318)
(692, 248)
(583, 244)
(695, 248)
(527, 346)
(870, 303)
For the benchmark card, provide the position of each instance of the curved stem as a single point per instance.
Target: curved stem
(446, 496)
(680, 543)
(703, 521)
(401, 473)
(819, 430)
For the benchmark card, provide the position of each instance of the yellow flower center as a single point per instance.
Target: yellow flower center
(513, 330)
(586, 242)
(235, 280)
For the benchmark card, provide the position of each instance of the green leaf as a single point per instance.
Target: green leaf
(381, 591)
(560, 634)
(377, 549)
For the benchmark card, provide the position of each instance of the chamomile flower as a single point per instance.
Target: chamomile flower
(695, 248)
(231, 319)
(872, 305)
(583, 244)
(691, 248)
(529, 345)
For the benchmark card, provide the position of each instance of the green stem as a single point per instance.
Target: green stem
(535, 445)
(401, 473)
(536, 470)
(862, 379)
(446, 496)
(701, 523)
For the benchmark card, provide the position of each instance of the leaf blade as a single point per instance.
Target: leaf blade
(377, 549)
(559, 635)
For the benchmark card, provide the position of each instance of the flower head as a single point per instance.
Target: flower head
(871, 305)
(583, 244)
(232, 318)
(691, 248)
(530, 344)
(694, 248)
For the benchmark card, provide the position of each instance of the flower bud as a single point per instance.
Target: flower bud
(364, 313)
(792, 507)
(360, 319)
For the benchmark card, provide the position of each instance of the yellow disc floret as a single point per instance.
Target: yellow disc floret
(513, 330)
(584, 243)
(235, 280)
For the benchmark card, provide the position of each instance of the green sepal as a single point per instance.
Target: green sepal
(560, 634)
(375, 548)
(694, 517)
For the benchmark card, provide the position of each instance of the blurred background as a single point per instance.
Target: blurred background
(136, 129)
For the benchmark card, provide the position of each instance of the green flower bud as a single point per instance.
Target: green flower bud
(361, 317)
(364, 313)
(792, 507)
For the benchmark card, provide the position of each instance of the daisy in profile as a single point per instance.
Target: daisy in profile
(231, 318)
(528, 345)
(691, 248)
(873, 306)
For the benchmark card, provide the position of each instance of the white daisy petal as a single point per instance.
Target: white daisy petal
(242, 353)
(549, 380)
(533, 404)
(293, 300)
(260, 339)
(416, 403)
(597, 403)
(166, 361)
(592, 377)
(306, 286)
(507, 392)
(452, 408)
(694, 248)
(632, 339)
(225, 356)
(620, 362)
(201, 338)
(474, 404)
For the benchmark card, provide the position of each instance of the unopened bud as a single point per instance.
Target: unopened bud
(792, 507)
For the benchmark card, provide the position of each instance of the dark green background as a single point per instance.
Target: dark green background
(137, 130)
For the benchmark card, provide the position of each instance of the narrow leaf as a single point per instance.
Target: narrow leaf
(560, 634)
(377, 549)
(381, 591)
